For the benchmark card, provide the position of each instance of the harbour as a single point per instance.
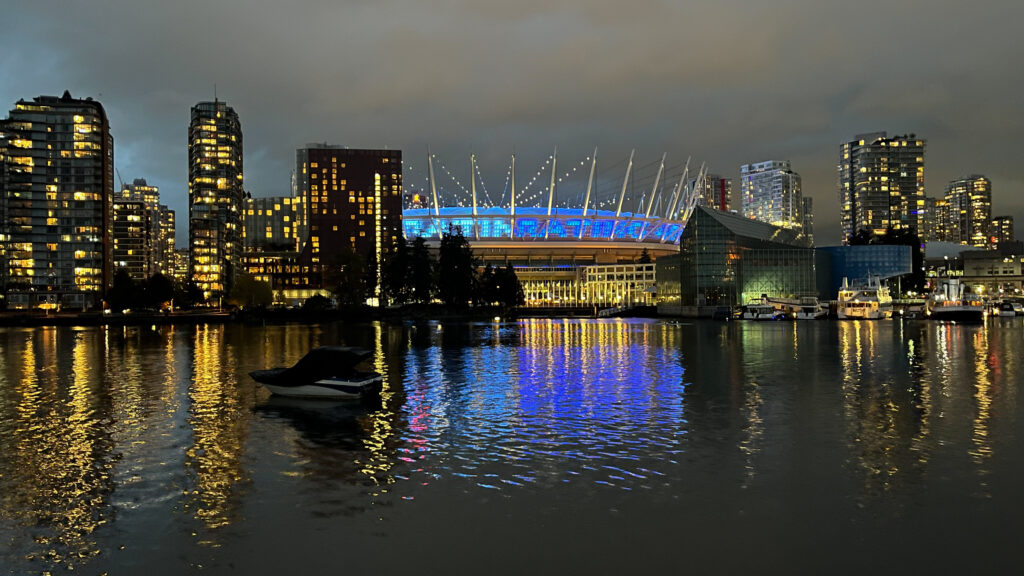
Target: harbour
(798, 443)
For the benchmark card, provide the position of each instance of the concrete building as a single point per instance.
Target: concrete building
(216, 197)
(352, 199)
(56, 193)
(881, 183)
(771, 192)
(970, 211)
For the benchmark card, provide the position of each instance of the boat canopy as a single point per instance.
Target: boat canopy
(327, 361)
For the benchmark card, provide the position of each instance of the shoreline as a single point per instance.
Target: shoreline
(416, 313)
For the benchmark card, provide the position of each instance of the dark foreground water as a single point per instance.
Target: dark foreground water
(538, 447)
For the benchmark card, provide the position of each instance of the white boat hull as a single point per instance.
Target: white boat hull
(816, 315)
(336, 389)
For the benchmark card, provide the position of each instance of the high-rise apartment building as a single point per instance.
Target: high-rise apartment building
(133, 238)
(716, 193)
(771, 192)
(56, 192)
(147, 250)
(807, 223)
(970, 210)
(352, 199)
(881, 183)
(1001, 230)
(216, 197)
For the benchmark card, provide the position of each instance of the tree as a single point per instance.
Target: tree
(396, 277)
(421, 272)
(159, 290)
(456, 269)
(123, 294)
(347, 278)
(645, 257)
(508, 288)
(248, 292)
(187, 294)
(316, 303)
(487, 294)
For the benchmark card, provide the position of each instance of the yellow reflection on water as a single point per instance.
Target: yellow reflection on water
(218, 429)
(379, 425)
(982, 449)
(61, 481)
(869, 403)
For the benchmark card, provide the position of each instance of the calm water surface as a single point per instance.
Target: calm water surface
(539, 447)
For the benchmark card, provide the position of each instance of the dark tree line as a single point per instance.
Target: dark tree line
(153, 292)
(411, 275)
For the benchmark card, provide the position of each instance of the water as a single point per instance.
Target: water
(541, 447)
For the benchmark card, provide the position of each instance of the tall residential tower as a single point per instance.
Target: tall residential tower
(56, 191)
(881, 184)
(970, 211)
(216, 197)
(771, 192)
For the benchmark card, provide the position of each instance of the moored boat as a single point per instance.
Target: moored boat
(325, 372)
(760, 312)
(868, 300)
(810, 309)
(950, 301)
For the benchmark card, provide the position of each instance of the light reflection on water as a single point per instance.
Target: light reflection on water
(133, 447)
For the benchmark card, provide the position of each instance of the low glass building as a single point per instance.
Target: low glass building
(729, 260)
(857, 263)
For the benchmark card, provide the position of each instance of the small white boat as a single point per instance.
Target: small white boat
(810, 309)
(326, 372)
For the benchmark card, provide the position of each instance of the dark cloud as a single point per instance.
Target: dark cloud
(727, 81)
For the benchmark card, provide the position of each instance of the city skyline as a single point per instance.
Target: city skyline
(537, 75)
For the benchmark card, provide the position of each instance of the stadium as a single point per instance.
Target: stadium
(577, 239)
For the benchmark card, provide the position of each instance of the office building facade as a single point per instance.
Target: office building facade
(56, 192)
(216, 197)
(881, 183)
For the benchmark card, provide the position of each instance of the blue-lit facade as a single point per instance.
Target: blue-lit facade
(857, 263)
(533, 223)
(564, 259)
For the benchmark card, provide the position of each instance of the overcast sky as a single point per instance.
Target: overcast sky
(725, 81)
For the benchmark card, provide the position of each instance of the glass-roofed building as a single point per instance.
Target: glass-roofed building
(730, 260)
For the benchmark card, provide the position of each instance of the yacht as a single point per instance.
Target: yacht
(810, 309)
(868, 300)
(325, 372)
(950, 301)
(760, 312)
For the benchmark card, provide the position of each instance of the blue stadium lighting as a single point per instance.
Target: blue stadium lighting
(533, 223)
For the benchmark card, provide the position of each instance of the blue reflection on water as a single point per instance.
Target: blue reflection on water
(564, 396)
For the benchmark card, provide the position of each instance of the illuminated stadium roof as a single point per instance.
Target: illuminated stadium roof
(659, 218)
(532, 224)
